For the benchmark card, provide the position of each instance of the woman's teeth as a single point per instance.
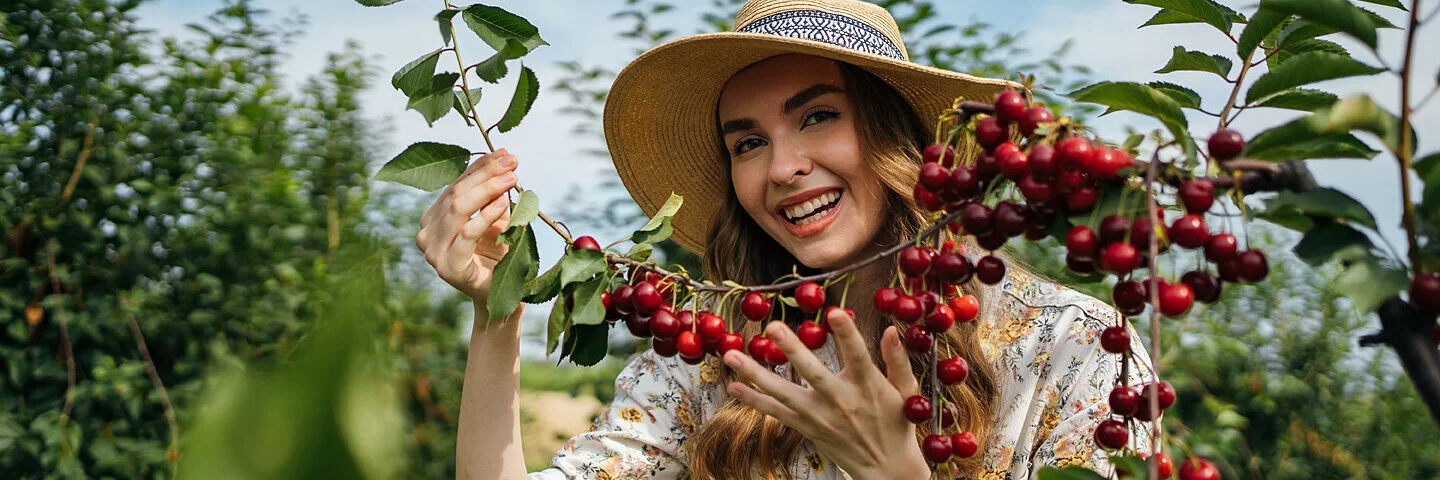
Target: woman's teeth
(812, 210)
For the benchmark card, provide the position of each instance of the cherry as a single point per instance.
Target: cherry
(608, 300)
(1164, 466)
(986, 166)
(731, 341)
(991, 241)
(1010, 219)
(908, 309)
(1176, 299)
(885, 298)
(964, 182)
(1226, 144)
(647, 298)
(664, 325)
(1198, 468)
(711, 328)
(687, 320)
(1073, 153)
(952, 370)
(965, 444)
(758, 346)
(1080, 266)
(918, 339)
(1124, 401)
(1221, 247)
(665, 347)
(1113, 229)
(809, 297)
(1036, 233)
(1120, 258)
(1197, 195)
(917, 409)
(1164, 390)
(1130, 297)
(774, 355)
(638, 324)
(989, 133)
(940, 319)
(966, 308)
(811, 334)
(1009, 107)
(1111, 434)
(927, 199)
(1227, 271)
(1115, 340)
(990, 270)
(937, 448)
(1081, 243)
(1140, 232)
(691, 350)
(1082, 199)
(1189, 231)
(1206, 287)
(977, 218)
(1042, 161)
(1035, 190)
(948, 414)
(928, 300)
(1034, 116)
(953, 268)
(1107, 163)
(755, 306)
(586, 242)
(624, 299)
(1425, 292)
(940, 153)
(1068, 181)
(1251, 267)
(1013, 162)
(934, 176)
(951, 246)
(913, 262)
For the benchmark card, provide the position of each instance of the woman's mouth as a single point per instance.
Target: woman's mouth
(811, 217)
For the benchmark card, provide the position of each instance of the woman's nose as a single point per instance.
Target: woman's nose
(790, 162)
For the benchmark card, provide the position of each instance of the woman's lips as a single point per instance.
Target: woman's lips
(817, 226)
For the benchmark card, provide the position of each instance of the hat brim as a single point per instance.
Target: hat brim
(659, 116)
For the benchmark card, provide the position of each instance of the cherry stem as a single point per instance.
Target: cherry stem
(1150, 173)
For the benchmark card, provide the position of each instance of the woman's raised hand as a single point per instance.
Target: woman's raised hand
(854, 416)
(459, 232)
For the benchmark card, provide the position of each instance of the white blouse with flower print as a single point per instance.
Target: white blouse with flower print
(1043, 340)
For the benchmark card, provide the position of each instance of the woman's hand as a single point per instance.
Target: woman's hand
(854, 416)
(460, 244)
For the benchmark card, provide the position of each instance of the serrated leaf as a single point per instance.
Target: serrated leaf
(558, 323)
(1302, 99)
(1192, 60)
(496, 26)
(377, 3)
(1067, 473)
(525, 92)
(1306, 68)
(1202, 11)
(579, 265)
(464, 105)
(666, 210)
(443, 18)
(416, 75)
(591, 344)
(1186, 97)
(655, 235)
(1288, 52)
(1167, 17)
(1359, 112)
(493, 68)
(1369, 283)
(1261, 25)
(1299, 140)
(1332, 240)
(1340, 15)
(1388, 3)
(544, 287)
(640, 252)
(427, 166)
(507, 281)
(1321, 202)
(1427, 165)
(589, 309)
(436, 101)
(525, 211)
(1142, 99)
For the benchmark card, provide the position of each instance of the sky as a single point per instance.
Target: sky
(551, 163)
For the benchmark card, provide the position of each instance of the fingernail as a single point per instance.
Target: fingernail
(732, 359)
(507, 161)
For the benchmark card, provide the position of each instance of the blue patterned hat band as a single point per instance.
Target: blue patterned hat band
(834, 29)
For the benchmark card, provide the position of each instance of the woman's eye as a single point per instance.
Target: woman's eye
(746, 145)
(818, 117)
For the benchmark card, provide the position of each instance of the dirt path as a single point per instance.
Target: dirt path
(548, 419)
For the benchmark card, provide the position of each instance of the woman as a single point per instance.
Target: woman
(795, 141)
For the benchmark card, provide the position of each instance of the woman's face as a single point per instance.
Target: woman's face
(796, 159)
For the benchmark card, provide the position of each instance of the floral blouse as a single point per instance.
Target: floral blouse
(1042, 338)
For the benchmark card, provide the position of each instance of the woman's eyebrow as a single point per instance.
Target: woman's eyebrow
(808, 94)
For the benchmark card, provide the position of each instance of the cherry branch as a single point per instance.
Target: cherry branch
(1407, 140)
(1154, 244)
(159, 385)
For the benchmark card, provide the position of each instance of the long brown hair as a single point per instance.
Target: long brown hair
(739, 441)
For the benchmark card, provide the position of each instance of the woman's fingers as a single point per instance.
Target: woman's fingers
(801, 358)
(897, 363)
(780, 389)
(851, 345)
(446, 196)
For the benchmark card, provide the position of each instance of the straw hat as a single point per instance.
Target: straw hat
(661, 112)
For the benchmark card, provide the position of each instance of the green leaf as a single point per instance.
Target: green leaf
(416, 76)
(591, 344)
(558, 323)
(1114, 200)
(1427, 165)
(1068, 473)
(1199, 11)
(1187, 98)
(377, 3)
(1142, 99)
(507, 281)
(1130, 466)
(493, 68)
(1167, 17)
(496, 27)
(1330, 240)
(1369, 283)
(525, 92)
(544, 287)
(427, 166)
(443, 18)
(589, 307)
(640, 252)
(525, 210)
(1429, 170)
(1192, 60)
(463, 106)
(645, 237)
(1321, 202)
(1340, 15)
(1302, 99)
(436, 101)
(1299, 140)
(579, 265)
(666, 210)
(1261, 25)
(1388, 3)
(1359, 112)
(1289, 52)
(1306, 69)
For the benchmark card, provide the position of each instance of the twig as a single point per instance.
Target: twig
(1235, 92)
(84, 156)
(1155, 316)
(159, 385)
(66, 345)
(1406, 140)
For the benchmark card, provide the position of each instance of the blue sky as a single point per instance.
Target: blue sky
(551, 163)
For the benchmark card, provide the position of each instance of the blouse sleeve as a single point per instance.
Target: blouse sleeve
(640, 434)
(1078, 394)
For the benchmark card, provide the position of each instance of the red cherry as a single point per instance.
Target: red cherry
(1082, 199)
(1124, 401)
(774, 355)
(1163, 390)
(665, 347)
(687, 320)
(909, 309)
(1074, 153)
(1010, 219)
(586, 242)
(638, 324)
(1113, 229)
(951, 246)
(1081, 243)
(986, 166)
(1115, 340)
(1165, 467)
(1035, 190)
(1013, 163)
(990, 270)
(1189, 231)
(1226, 144)
(624, 299)
(927, 199)
(977, 218)
(964, 183)
(1226, 270)
(1140, 232)
(937, 448)
(758, 346)
(989, 133)
(1066, 182)
(885, 298)
(952, 370)
(1176, 299)
(1196, 468)
(913, 262)
(1221, 247)
(809, 297)
(1197, 195)
(711, 328)
(690, 348)
(1130, 297)
(1034, 116)
(940, 153)
(1112, 434)
(934, 176)
(953, 268)
(1207, 287)
(664, 325)
(647, 298)
(1251, 267)
(731, 341)
(1080, 266)
(1120, 258)
(1042, 161)
(1425, 292)
(940, 319)
(918, 339)
(755, 306)
(1009, 107)
(811, 335)
(917, 409)
(991, 241)
(1107, 163)
(966, 308)
(948, 414)
(965, 445)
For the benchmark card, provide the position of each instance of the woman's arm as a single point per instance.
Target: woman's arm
(488, 441)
